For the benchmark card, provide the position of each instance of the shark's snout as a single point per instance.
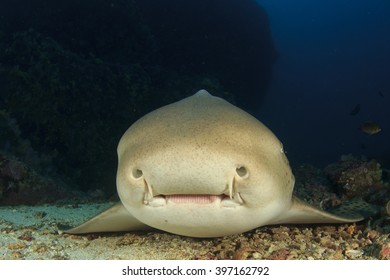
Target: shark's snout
(183, 188)
(186, 175)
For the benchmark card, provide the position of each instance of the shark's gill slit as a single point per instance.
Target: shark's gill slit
(137, 173)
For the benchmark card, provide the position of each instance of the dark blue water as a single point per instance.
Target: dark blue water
(333, 55)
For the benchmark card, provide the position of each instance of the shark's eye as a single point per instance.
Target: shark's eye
(242, 171)
(137, 173)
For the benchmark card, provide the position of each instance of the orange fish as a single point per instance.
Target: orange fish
(370, 128)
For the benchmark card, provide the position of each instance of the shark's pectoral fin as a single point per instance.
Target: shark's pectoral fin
(302, 213)
(116, 218)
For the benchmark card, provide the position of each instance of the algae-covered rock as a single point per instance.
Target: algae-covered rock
(356, 177)
(312, 185)
(20, 184)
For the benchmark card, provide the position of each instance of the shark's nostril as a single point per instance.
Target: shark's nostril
(137, 173)
(242, 171)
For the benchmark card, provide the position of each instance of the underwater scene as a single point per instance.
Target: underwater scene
(195, 129)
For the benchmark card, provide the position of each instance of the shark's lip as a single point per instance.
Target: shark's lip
(193, 199)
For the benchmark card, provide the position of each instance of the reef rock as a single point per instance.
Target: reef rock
(355, 177)
(20, 184)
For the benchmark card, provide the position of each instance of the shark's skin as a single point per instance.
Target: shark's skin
(202, 167)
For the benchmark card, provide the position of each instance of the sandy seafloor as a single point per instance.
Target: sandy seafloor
(33, 232)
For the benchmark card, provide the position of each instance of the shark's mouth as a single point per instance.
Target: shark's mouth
(193, 199)
(229, 197)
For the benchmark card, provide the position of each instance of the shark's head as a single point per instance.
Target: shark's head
(200, 162)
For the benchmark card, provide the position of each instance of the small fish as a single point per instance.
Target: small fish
(381, 93)
(355, 110)
(370, 128)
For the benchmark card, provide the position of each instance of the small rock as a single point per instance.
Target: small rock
(17, 246)
(353, 254)
(26, 236)
(40, 214)
(384, 253)
(372, 234)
